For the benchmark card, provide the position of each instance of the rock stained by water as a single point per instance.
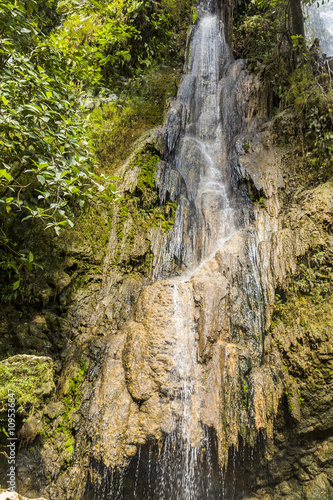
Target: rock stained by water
(190, 356)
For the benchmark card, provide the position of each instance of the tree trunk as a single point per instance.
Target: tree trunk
(297, 18)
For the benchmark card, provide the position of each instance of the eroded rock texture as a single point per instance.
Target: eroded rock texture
(191, 355)
(181, 359)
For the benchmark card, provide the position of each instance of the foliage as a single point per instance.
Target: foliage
(53, 57)
(44, 164)
(121, 38)
(263, 35)
(293, 77)
(261, 29)
(311, 96)
(29, 377)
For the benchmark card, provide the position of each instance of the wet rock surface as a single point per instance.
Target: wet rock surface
(145, 353)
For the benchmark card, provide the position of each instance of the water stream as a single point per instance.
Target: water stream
(184, 388)
(198, 131)
(319, 24)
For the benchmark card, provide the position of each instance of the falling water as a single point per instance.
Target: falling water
(319, 24)
(197, 150)
(184, 462)
(195, 142)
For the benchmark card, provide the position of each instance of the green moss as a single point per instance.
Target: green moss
(141, 210)
(147, 165)
(93, 228)
(29, 378)
(71, 398)
(303, 324)
(122, 217)
(115, 127)
(245, 395)
(69, 449)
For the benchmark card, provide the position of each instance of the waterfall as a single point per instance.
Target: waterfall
(319, 24)
(183, 391)
(197, 133)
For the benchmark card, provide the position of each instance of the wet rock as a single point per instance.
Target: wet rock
(28, 431)
(53, 409)
(319, 488)
(60, 280)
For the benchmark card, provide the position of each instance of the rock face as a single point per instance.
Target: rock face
(173, 373)
(190, 357)
(13, 496)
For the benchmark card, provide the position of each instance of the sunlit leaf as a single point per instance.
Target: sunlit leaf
(16, 285)
(5, 174)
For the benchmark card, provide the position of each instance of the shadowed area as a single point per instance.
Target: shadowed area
(155, 473)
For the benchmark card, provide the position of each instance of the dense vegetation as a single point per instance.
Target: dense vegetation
(294, 78)
(58, 61)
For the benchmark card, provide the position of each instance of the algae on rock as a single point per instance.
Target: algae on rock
(30, 378)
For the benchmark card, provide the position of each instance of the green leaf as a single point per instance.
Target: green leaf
(31, 257)
(5, 174)
(4, 100)
(16, 285)
(41, 179)
(29, 266)
(33, 108)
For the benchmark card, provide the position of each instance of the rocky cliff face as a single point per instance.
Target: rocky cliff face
(173, 367)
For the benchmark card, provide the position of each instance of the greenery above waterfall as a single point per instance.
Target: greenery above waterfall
(57, 56)
(294, 77)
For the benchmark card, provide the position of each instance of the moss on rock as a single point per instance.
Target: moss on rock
(31, 380)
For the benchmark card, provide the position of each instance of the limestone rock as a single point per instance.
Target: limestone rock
(10, 495)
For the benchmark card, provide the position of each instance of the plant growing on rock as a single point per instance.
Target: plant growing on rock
(45, 167)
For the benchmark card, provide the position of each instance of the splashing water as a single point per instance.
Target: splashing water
(319, 24)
